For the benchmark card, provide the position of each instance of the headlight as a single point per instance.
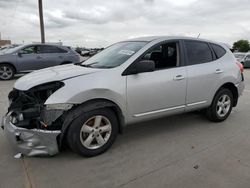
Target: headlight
(43, 91)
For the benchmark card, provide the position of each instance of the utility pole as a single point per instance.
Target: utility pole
(40, 5)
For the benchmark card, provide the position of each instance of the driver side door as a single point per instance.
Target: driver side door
(161, 92)
(28, 59)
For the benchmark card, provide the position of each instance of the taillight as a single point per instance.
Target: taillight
(240, 66)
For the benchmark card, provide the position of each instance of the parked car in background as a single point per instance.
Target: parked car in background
(27, 58)
(244, 58)
(239, 56)
(88, 104)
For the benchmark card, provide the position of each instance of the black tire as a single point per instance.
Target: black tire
(7, 72)
(212, 112)
(74, 135)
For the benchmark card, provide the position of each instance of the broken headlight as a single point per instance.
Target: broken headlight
(27, 106)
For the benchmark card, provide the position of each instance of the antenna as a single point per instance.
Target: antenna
(198, 36)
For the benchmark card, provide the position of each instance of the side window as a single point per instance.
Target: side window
(198, 52)
(247, 58)
(218, 50)
(49, 49)
(164, 55)
(60, 50)
(29, 50)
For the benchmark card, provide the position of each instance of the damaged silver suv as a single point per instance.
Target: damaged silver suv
(86, 105)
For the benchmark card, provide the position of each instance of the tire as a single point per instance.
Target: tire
(82, 131)
(221, 106)
(7, 72)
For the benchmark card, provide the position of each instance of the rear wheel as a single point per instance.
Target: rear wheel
(93, 132)
(221, 106)
(6, 72)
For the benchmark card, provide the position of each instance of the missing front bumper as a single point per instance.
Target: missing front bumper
(31, 142)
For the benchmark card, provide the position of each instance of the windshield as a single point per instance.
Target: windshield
(239, 56)
(10, 49)
(114, 55)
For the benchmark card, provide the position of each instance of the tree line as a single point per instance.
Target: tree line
(241, 46)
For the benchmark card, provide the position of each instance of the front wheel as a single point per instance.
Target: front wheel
(93, 132)
(6, 72)
(221, 106)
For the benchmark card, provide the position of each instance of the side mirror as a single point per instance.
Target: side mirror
(140, 67)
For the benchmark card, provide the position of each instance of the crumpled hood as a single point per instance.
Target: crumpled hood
(51, 74)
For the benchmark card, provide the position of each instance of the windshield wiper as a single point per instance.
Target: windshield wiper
(83, 65)
(88, 65)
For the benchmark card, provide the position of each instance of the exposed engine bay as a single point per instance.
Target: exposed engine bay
(33, 127)
(28, 110)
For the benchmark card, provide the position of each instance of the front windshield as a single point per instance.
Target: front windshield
(114, 55)
(11, 49)
(239, 56)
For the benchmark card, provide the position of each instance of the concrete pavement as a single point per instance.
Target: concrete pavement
(179, 151)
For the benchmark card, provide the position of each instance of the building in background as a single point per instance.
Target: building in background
(5, 42)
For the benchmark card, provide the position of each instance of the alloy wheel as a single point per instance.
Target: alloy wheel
(223, 105)
(5, 72)
(95, 132)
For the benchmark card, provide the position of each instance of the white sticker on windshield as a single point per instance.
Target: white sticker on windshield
(126, 52)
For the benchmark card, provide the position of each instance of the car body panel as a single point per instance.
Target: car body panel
(51, 74)
(153, 96)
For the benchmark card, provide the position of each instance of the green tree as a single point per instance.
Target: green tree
(241, 46)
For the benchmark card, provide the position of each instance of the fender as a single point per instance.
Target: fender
(94, 104)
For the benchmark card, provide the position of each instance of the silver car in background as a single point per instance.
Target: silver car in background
(27, 58)
(87, 105)
(243, 58)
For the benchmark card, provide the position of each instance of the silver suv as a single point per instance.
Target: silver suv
(88, 104)
(27, 58)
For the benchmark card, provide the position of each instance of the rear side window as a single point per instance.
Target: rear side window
(198, 52)
(218, 50)
(50, 49)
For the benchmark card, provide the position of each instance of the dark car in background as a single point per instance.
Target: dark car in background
(27, 58)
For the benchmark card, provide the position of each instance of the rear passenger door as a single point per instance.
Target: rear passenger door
(50, 55)
(204, 73)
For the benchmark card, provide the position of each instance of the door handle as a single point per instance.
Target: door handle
(179, 77)
(218, 71)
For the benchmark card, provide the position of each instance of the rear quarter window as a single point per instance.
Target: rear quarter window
(218, 50)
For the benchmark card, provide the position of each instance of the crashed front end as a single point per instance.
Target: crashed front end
(32, 127)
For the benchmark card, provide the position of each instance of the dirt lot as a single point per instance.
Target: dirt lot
(179, 151)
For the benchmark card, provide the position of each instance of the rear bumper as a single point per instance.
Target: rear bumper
(31, 142)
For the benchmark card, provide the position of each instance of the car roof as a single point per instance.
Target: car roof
(152, 38)
(43, 44)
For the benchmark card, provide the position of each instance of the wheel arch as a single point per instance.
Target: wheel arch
(89, 105)
(233, 89)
